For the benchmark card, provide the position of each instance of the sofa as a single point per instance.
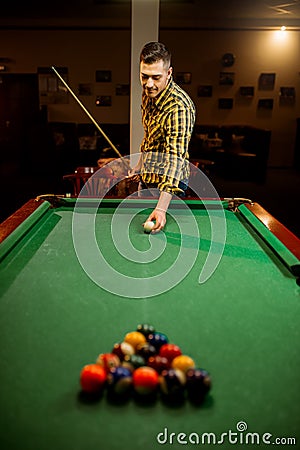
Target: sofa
(238, 152)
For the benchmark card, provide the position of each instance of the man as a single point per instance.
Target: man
(168, 116)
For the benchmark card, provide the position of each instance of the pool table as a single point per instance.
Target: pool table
(221, 282)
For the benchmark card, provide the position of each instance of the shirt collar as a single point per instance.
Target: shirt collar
(159, 101)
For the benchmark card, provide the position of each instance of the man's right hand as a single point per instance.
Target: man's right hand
(134, 172)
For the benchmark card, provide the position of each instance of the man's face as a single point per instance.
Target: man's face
(154, 77)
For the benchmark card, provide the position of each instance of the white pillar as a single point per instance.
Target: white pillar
(144, 28)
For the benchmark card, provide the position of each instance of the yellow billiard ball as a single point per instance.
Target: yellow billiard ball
(183, 363)
(134, 338)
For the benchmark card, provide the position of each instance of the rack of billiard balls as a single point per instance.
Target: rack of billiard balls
(146, 364)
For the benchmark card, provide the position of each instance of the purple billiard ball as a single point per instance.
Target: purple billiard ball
(198, 384)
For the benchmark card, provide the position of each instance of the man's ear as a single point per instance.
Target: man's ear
(170, 71)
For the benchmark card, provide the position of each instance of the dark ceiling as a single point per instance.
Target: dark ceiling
(172, 12)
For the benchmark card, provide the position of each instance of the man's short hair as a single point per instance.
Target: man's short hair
(155, 51)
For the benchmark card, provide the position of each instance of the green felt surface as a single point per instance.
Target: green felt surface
(242, 325)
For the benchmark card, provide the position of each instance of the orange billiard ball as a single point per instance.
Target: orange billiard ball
(145, 380)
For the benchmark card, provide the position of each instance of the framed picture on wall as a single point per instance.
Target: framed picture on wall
(287, 92)
(266, 81)
(51, 89)
(226, 78)
(183, 77)
(287, 96)
(247, 91)
(265, 103)
(205, 91)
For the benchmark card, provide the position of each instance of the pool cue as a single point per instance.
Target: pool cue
(88, 114)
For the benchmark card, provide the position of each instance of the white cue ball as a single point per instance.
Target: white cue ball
(148, 226)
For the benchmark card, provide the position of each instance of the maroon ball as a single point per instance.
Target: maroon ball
(158, 363)
(121, 349)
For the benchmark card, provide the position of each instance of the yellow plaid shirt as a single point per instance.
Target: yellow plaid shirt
(168, 122)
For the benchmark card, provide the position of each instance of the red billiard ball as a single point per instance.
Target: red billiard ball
(145, 380)
(170, 351)
(92, 378)
(158, 363)
(108, 361)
